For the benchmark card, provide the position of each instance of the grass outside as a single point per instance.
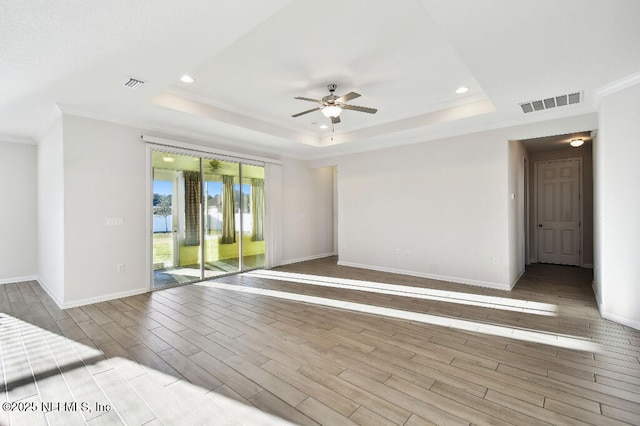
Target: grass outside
(162, 242)
(163, 256)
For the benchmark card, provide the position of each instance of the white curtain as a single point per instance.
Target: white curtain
(273, 214)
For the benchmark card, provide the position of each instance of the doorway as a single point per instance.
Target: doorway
(559, 211)
(208, 216)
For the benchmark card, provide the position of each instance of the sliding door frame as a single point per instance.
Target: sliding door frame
(174, 147)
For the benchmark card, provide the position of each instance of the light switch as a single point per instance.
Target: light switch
(114, 221)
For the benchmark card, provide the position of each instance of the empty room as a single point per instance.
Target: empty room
(341, 212)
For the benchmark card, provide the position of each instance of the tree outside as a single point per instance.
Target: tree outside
(162, 207)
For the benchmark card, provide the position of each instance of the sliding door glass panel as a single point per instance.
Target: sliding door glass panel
(222, 224)
(180, 243)
(252, 213)
(163, 193)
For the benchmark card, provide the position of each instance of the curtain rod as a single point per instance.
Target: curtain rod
(208, 150)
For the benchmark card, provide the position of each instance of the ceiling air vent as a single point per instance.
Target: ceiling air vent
(548, 103)
(133, 83)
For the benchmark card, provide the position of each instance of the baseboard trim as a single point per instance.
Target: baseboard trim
(45, 287)
(595, 293)
(90, 300)
(457, 280)
(304, 259)
(104, 298)
(620, 320)
(18, 279)
(515, 281)
(613, 317)
(587, 265)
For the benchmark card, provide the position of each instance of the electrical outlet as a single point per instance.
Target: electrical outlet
(496, 261)
(120, 267)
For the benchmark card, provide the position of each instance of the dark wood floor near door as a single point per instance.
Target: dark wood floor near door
(316, 343)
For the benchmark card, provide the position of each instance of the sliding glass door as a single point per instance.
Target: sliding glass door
(221, 201)
(208, 217)
(176, 219)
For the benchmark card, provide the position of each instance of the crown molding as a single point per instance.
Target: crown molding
(56, 112)
(616, 86)
(197, 138)
(18, 139)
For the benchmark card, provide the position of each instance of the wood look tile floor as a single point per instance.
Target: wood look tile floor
(316, 343)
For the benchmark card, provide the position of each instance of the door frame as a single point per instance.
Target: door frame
(157, 144)
(335, 211)
(527, 213)
(536, 239)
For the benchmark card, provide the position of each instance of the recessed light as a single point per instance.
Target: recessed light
(186, 79)
(576, 143)
(461, 90)
(168, 159)
(324, 126)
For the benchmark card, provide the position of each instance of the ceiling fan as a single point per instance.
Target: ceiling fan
(333, 105)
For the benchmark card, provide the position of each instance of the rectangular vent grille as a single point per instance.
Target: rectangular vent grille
(133, 83)
(548, 103)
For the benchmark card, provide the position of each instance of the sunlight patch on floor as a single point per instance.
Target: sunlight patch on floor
(492, 302)
(527, 335)
(40, 367)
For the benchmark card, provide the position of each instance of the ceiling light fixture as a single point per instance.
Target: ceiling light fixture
(331, 111)
(186, 79)
(168, 159)
(324, 126)
(461, 90)
(576, 143)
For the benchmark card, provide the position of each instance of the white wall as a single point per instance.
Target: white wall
(617, 206)
(51, 220)
(90, 170)
(436, 209)
(307, 207)
(18, 215)
(516, 195)
(440, 209)
(104, 177)
(452, 194)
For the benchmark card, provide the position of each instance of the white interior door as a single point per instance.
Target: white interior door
(559, 212)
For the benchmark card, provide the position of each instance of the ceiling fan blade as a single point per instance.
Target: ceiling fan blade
(348, 97)
(308, 99)
(335, 120)
(305, 112)
(360, 109)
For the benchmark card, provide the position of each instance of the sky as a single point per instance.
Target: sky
(162, 187)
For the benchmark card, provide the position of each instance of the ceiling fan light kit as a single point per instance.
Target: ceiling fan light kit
(332, 105)
(331, 111)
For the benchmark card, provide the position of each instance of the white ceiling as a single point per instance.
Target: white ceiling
(250, 58)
